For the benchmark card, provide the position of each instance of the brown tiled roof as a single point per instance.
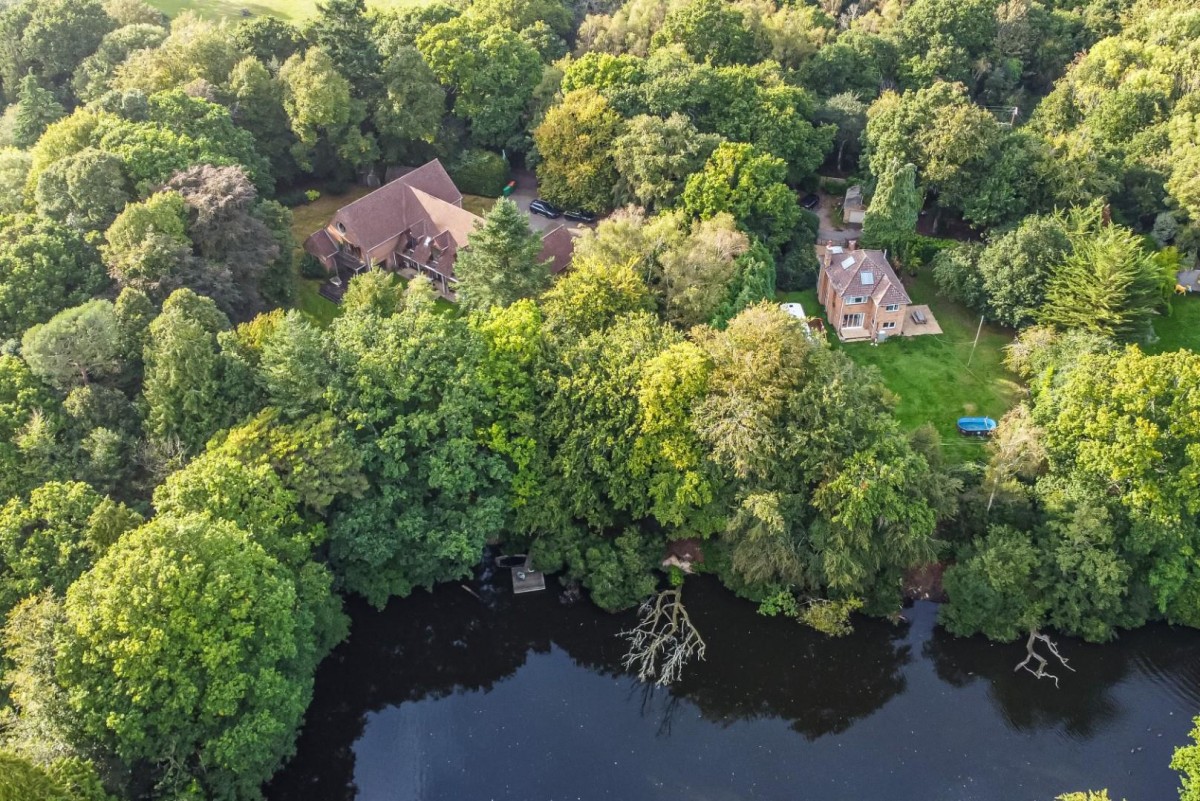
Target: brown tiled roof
(431, 178)
(320, 244)
(375, 218)
(861, 273)
(443, 217)
(390, 210)
(433, 218)
(557, 247)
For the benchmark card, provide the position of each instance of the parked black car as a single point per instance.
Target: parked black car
(810, 201)
(580, 216)
(543, 208)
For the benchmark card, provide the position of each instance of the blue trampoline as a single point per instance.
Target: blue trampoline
(976, 426)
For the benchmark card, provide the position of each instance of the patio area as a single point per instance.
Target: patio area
(913, 328)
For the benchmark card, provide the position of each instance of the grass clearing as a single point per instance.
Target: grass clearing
(292, 10)
(306, 219)
(478, 205)
(929, 374)
(1181, 329)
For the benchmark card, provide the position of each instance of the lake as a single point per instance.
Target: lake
(446, 695)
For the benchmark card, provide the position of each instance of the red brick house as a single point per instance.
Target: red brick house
(861, 293)
(414, 225)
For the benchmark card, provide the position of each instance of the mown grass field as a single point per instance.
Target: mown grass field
(1180, 329)
(929, 374)
(293, 10)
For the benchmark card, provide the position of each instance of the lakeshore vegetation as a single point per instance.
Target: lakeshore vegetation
(200, 457)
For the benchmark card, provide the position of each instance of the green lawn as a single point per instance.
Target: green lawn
(1181, 329)
(478, 205)
(306, 219)
(929, 374)
(287, 9)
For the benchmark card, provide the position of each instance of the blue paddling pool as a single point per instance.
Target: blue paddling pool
(976, 426)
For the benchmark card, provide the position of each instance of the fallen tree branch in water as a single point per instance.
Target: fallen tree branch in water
(664, 641)
(1031, 655)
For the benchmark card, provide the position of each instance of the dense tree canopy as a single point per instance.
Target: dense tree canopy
(45, 267)
(575, 143)
(195, 462)
(172, 667)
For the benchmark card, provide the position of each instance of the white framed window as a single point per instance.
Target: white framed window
(855, 301)
(892, 307)
(852, 320)
(889, 326)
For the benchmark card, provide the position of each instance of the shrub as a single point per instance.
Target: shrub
(311, 267)
(834, 186)
(956, 271)
(480, 172)
(921, 250)
(798, 268)
(292, 199)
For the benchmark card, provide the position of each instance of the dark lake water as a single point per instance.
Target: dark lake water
(445, 696)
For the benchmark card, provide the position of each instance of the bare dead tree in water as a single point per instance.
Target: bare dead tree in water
(1031, 655)
(664, 641)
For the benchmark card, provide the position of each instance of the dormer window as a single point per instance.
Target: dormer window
(341, 228)
(855, 301)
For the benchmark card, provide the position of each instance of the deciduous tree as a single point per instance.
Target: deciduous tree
(321, 109)
(741, 181)
(45, 267)
(655, 156)
(55, 535)
(94, 75)
(205, 680)
(575, 142)
(413, 104)
(405, 386)
(710, 31)
(1016, 267)
(75, 346)
(86, 190)
(147, 246)
(489, 70)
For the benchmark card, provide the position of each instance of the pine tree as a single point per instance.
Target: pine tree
(500, 264)
(1109, 284)
(36, 109)
(891, 219)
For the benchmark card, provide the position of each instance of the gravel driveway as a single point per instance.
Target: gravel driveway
(526, 192)
(825, 230)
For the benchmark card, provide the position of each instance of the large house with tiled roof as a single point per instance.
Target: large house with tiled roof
(861, 293)
(414, 225)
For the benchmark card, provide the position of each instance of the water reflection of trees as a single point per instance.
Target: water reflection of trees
(760, 667)
(433, 645)
(429, 645)
(1083, 703)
